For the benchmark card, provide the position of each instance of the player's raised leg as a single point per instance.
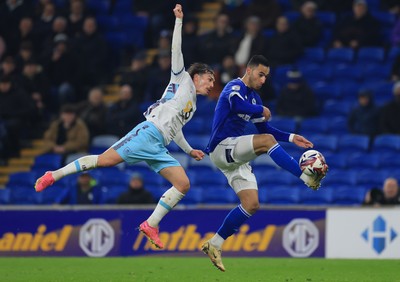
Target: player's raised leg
(106, 159)
(180, 186)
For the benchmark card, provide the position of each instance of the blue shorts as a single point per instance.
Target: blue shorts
(145, 143)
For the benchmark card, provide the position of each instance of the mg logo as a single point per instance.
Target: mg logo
(96, 237)
(300, 237)
(379, 235)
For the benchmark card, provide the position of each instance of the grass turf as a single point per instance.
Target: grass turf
(196, 269)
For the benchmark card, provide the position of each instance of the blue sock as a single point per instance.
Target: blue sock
(281, 158)
(232, 221)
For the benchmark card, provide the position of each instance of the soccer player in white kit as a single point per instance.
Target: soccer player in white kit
(231, 150)
(147, 141)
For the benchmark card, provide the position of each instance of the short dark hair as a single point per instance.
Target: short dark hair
(199, 68)
(68, 108)
(258, 60)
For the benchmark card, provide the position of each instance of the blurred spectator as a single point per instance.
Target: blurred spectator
(190, 41)
(396, 34)
(136, 194)
(36, 85)
(15, 112)
(164, 41)
(137, 75)
(94, 112)
(285, 46)
(252, 42)
(296, 99)
(11, 13)
(25, 33)
(229, 70)
(391, 191)
(25, 53)
(217, 43)
(267, 10)
(356, 30)
(364, 118)
(85, 192)
(75, 17)
(68, 134)
(59, 26)
(390, 113)
(374, 197)
(3, 47)
(8, 68)
(44, 22)
(61, 67)
(392, 6)
(395, 73)
(123, 114)
(308, 27)
(91, 57)
(158, 75)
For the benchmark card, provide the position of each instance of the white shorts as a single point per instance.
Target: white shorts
(232, 156)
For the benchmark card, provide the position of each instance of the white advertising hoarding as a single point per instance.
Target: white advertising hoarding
(363, 233)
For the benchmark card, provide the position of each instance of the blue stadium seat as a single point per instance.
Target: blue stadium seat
(363, 160)
(204, 163)
(389, 160)
(117, 40)
(51, 195)
(324, 142)
(292, 15)
(326, 91)
(348, 195)
(386, 19)
(205, 107)
(350, 91)
(109, 195)
(108, 23)
(392, 54)
(285, 124)
(370, 55)
(268, 32)
(111, 178)
(195, 128)
(338, 125)
(328, 19)
(322, 196)
(264, 162)
(22, 178)
(333, 108)
(23, 195)
(270, 178)
(387, 143)
(182, 158)
(313, 55)
(208, 179)
(326, 39)
(372, 177)
(99, 6)
(315, 73)
(47, 162)
(339, 177)
(194, 196)
(219, 195)
(336, 160)
(282, 195)
(278, 74)
(317, 125)
(198, 141)
(104, 141)
(5, 196)
(351, 143)
(377, 72)
(340, 55)
(347, 73)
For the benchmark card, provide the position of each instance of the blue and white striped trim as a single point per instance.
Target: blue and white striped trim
(235, 93)
(258, 120)
(273, 148)
(162, 203)
(243, 211)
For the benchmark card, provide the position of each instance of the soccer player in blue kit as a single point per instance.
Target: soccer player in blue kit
(231, 151)
(147, 141)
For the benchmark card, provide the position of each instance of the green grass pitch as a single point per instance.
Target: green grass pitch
(196, 269)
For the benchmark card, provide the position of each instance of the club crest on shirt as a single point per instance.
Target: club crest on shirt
(185, 113)
(236, 87)
(253, 101)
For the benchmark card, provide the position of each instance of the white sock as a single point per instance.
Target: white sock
(81, 164)
(166, 203)
(217, 241)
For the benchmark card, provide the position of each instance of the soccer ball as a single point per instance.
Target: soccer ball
(313, 163)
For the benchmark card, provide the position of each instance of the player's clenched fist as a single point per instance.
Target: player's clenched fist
(266, 113)
(178, 11)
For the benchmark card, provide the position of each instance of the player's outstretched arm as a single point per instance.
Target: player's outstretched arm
(177, 64)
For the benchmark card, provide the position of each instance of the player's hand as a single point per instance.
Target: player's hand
(266, 113)
(198, 155)
(178, 11)
(302, 142)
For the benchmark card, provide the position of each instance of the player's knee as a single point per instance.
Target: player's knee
(251, 207)
(267, 141)
(183, 185)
